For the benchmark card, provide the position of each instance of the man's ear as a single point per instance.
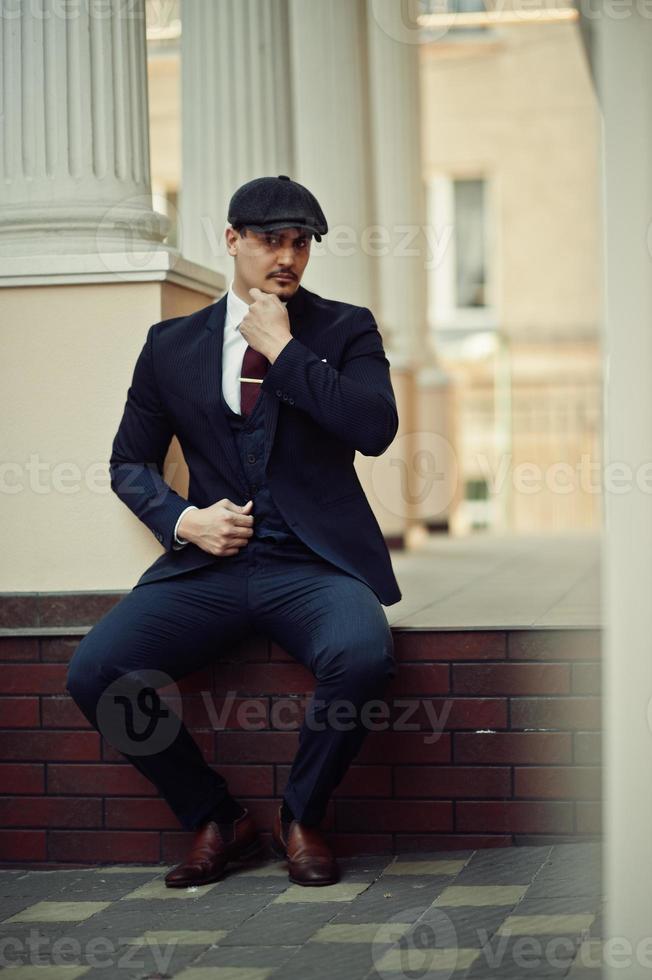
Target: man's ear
(230, 236)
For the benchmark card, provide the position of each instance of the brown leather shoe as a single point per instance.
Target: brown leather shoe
(209, 853)
(310, 859)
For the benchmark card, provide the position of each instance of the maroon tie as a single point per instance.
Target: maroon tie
(254, 365)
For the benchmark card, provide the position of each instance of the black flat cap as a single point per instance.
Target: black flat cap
(270, 203)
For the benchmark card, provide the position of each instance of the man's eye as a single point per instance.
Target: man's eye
(301, 243)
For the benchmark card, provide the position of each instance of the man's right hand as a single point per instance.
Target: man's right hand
(221, 529)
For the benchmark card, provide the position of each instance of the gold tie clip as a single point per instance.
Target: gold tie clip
(257, 381)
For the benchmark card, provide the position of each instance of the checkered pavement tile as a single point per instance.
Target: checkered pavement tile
(433, 914)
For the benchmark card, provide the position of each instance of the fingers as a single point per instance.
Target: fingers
(258, 294)
(239, 516)
(236, 526)
(245, 508)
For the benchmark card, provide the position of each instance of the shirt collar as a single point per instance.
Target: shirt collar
(236, 308)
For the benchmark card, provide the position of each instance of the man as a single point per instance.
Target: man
(270, 392)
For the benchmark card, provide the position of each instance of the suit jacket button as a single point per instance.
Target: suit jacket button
(285, 398)
(291, 401)
(279, 392)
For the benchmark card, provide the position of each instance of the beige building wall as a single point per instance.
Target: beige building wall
(519, 109)
(68, 353)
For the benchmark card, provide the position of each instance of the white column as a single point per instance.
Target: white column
(236, 112)
(400, 217)
(332, 140)
(74, 155)
(399, 198)
(624, 69)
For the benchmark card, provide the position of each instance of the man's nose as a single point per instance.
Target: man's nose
(285, 256)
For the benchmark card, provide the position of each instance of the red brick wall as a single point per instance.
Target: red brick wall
(516, 761)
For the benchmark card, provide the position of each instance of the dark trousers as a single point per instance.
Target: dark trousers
(330, 621)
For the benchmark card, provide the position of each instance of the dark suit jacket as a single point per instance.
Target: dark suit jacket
(317, 414)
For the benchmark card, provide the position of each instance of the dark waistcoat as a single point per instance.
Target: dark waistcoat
(271, 533)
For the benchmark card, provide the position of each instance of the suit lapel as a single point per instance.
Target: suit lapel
(210, 382)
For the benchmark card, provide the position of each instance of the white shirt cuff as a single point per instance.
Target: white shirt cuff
(180, 542)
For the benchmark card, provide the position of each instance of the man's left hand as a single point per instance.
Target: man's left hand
(266, 327)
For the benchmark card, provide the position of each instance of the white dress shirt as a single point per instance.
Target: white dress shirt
(234, 346)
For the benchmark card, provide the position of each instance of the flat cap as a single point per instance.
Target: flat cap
(270, 203)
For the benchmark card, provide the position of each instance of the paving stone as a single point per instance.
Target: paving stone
(340, 892)
(562, 881)
(462, 855)
(388, 897)
(247, 956)
(157, 890)
(551, 925)
(579, 853)
(480, 895)
(509, 866)
(361, 932)
(41, 884)
(424, 868)
(282, 925)
(346, 961)
(242, 884)
(523, 956)
(48, 972)
(464, 926)
(181, 937)
(227, 973)
(9, 906)
(50, 911)
(410, 960)
(571, 904)
(103, 887)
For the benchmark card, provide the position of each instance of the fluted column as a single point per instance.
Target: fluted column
(425, 442)
(399, 200)
(74, 155)
(332, 149)
(236, 112)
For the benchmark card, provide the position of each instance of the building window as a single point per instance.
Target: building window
(470, 259)
(440, 22)
(163, 19)
(459, 277)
